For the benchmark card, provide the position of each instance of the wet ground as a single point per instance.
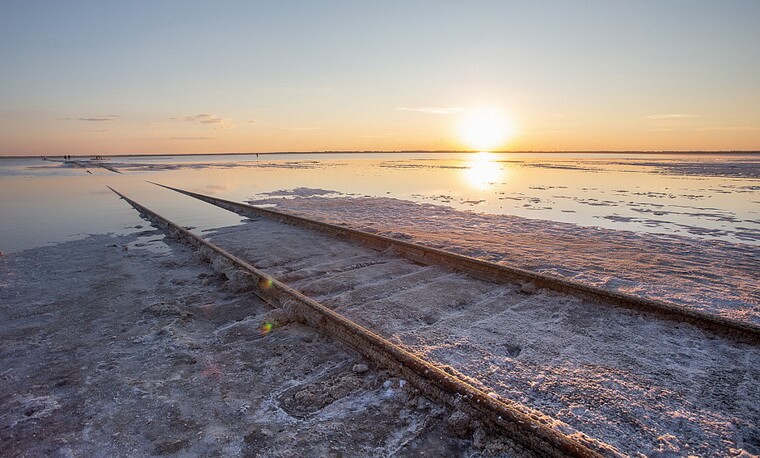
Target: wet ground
(638, 382)
(110, 349)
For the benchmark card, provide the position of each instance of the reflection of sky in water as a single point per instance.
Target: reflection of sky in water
(44, 201)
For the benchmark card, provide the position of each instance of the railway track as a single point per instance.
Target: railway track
(385, 297)
(533, 429)
(494, 272)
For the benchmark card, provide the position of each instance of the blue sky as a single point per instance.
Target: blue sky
(142, 77)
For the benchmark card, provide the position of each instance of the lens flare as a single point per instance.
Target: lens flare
(265, 283)
(212, 369)
(266, 328)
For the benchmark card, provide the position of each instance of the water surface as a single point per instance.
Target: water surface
(702, 196)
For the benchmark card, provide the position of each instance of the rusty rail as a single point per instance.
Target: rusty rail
(497, 273)
(535, 430)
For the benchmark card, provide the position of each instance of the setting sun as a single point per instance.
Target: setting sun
(485, 129)
(493, 227)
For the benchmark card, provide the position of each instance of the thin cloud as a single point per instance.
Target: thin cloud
(729, 128)
(192, 138)
(106, 118)
(433, 110)
(665, 117)
(207, 119)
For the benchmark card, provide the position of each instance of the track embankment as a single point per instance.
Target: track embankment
(537, 431)
(494, 272)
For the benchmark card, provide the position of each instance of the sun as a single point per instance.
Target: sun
(485, 129)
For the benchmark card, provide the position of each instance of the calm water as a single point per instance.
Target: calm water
(710, 197)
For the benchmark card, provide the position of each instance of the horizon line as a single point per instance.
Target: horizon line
(742, 151)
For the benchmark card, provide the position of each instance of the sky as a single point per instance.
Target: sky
(135, 77)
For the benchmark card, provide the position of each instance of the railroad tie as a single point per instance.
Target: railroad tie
(540, 433)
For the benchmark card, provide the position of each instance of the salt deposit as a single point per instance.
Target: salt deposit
(137, 353)
(619, 376)
(710, 275)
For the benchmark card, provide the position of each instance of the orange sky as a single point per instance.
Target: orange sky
(97, 78)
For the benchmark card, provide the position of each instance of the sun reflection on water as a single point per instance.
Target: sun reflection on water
(483, 171)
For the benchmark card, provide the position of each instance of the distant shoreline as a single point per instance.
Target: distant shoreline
(282, 153)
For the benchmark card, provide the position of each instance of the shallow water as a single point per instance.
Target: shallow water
(701, 196)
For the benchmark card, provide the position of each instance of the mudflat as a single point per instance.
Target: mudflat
(113, 347)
